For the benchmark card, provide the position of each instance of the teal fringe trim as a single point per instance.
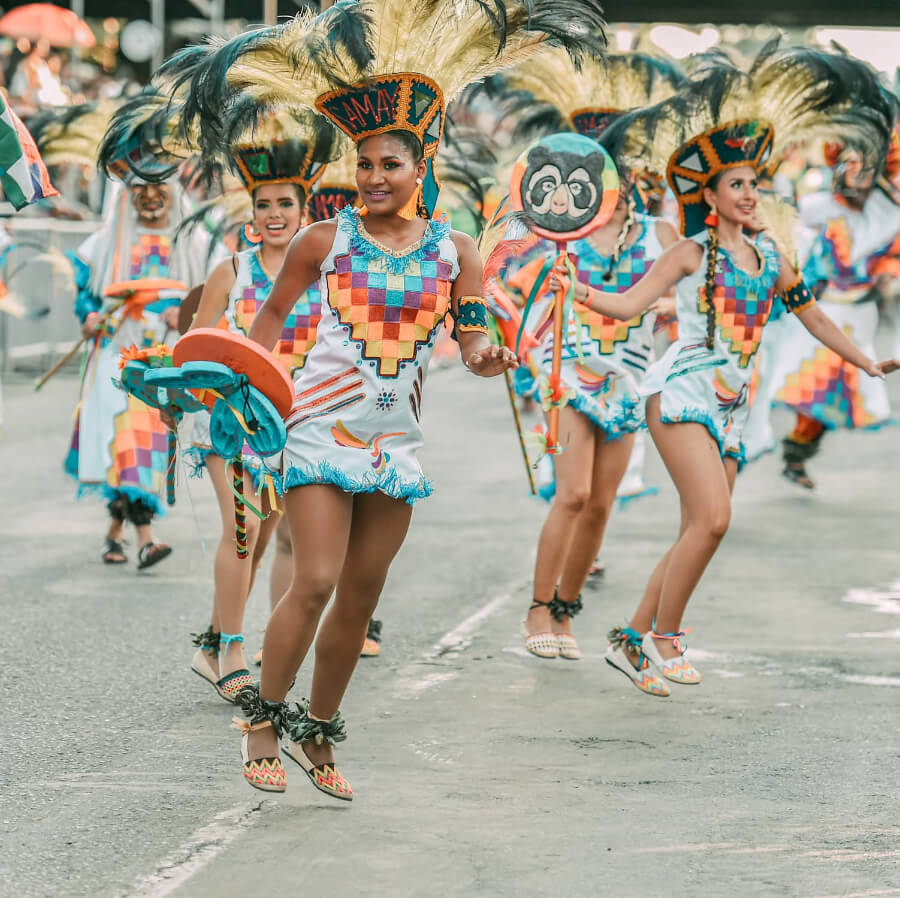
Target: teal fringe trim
(108, 493)
(134, 493)
(388, 482)
(702, 416)
(628, 418)
(258, 473)
(435, 232)
(195, 457)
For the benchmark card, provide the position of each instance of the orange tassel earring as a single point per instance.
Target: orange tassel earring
(410, 208)
(712, 220)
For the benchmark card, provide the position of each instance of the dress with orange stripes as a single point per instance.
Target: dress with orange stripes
(355, 420)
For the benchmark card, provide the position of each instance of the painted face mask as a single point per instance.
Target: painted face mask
(566, 184)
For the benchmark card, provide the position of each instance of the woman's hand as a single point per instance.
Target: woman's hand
(874, 369)
(170, 317)
(90, 326)
(491, 361)
(559, 283)
(889, 367)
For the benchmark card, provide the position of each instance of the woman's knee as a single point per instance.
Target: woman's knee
(714, 521)
(573, 499)
(313, 588)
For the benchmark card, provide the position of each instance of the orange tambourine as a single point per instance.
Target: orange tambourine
(242, 356)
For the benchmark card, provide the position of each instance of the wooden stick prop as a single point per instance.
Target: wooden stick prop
(567, 186)
(515, 410)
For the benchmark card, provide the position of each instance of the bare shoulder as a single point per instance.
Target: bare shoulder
(464, 244)
(319, 233)
(688, 252)
(666, 233)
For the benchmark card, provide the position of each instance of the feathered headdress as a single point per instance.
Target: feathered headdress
(587, 100)
(284, 148)
(725, 117)
(359, 63)
(144, 139)
(72, 134)
(336, 189)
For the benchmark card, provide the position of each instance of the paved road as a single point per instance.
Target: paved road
(478, 770)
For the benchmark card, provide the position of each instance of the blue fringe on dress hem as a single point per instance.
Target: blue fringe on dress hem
(629, 420)
(388, 483)
(701, 416)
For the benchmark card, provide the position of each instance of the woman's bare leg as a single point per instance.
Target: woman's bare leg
(233, 576)
(573, 490)
(379, 527)
(282, 563)
(693, 461)
(610, 462)
(320, 518)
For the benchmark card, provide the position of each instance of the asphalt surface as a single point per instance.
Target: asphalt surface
(478, 770)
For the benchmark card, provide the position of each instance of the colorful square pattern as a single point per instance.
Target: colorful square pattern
(741, 315)
(629, 269)
(139, 448)
(827, 388)
(390, 315)
(298, 335)
(150, 256)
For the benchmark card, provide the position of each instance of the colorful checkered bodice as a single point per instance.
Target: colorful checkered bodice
(743, 304)
(592, 268)
(390, 306)
(251, 289)
(150, 255)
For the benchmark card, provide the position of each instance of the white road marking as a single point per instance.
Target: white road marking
(881, 601)
(869, 680)
(196, 852)
(872, 893)
(412, 682)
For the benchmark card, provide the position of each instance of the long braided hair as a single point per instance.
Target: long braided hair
(712, 255)
(621, 239)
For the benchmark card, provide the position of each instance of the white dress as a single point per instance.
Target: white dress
(355, 419)
(711, 386)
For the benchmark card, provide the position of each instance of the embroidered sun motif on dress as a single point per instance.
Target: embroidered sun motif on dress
(344, 437)
(386, 400)
(150, 256)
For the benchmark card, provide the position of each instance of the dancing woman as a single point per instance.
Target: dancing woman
(726, 284)
(278, 161)
(603, 365)
(390, 275)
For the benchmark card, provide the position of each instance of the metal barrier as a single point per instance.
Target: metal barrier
(39, 338)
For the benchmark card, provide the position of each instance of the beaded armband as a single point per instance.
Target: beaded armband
(798, 297)
(472, 315)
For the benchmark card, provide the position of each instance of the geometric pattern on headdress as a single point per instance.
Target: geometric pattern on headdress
(400, 101)
(280, 148)
(731, 145)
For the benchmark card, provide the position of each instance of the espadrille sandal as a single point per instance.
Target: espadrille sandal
(301, 727)
(541, 645)
(643, 676)
(559, 611)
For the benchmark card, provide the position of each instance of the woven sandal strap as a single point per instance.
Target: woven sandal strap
(302, 727)
(208, 639)
(560, 610)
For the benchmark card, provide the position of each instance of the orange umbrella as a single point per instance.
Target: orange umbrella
(61, 27)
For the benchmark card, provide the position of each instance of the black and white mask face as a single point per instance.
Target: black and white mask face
(560, 190)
